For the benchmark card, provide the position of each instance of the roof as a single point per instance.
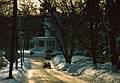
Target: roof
(41, 38)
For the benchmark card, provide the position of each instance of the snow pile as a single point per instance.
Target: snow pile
(3, 61)
(82, 67)
(108, 77)
(66, 66)
(82, 59)
(26, 63)
(19, 75)
(58, 62)
(77, 68)
(91, 74)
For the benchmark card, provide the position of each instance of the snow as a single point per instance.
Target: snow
(76, 68)
(82, 67)
(19, 75)
(59, 62)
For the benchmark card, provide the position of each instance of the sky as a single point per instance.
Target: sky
(30, 0)
(35, 1)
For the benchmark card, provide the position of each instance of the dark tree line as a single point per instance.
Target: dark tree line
(10, 30)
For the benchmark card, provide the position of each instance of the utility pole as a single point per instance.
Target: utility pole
(13, 38)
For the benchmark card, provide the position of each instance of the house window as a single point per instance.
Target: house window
(50, 44)
(41, 43)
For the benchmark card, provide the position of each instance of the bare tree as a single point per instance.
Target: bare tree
(87, 23)
(112, 9)
(13, 39)
(62, 28)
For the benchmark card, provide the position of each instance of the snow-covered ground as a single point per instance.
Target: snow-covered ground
(19, 75)
(82, 67)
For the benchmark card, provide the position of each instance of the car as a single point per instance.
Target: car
(37, 52)
(26, 52)
(58, 52)
(77, 52)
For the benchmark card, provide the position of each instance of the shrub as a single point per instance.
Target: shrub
(3, 62)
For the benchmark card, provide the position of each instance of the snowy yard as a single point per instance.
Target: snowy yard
(82, 67)
(19, 75)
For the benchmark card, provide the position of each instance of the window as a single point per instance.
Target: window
(41, 43)
(50, 44)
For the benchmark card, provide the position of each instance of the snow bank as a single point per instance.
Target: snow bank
(82, 59)
(58, 62)
(19, 75)
(26, 63)
(91, 74)
(108, 77)
(79, 67)
(82, 67)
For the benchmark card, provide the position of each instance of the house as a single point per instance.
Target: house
(47, 41)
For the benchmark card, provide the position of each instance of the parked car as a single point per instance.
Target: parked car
(49, 54)
(58, 52)
(37, 52)
(77, 52)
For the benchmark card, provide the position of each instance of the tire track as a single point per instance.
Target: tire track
(39, 75)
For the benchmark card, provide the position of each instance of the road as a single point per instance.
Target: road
(38, 74)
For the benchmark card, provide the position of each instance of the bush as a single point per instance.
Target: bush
(3, 62)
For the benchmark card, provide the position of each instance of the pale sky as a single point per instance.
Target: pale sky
(35, 1)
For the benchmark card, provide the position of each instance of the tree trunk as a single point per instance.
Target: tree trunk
(68, 58)
(115, 57)
(16, 66)
(23, 48)
(66, 54)
(10, 70)
(21, 52)
(17, 56)
(13, 39)
(94, 49)
(111, 7)
(113, 50)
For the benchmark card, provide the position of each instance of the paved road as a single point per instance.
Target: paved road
(40, 75)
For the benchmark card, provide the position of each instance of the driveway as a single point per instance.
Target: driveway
(38, 74)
